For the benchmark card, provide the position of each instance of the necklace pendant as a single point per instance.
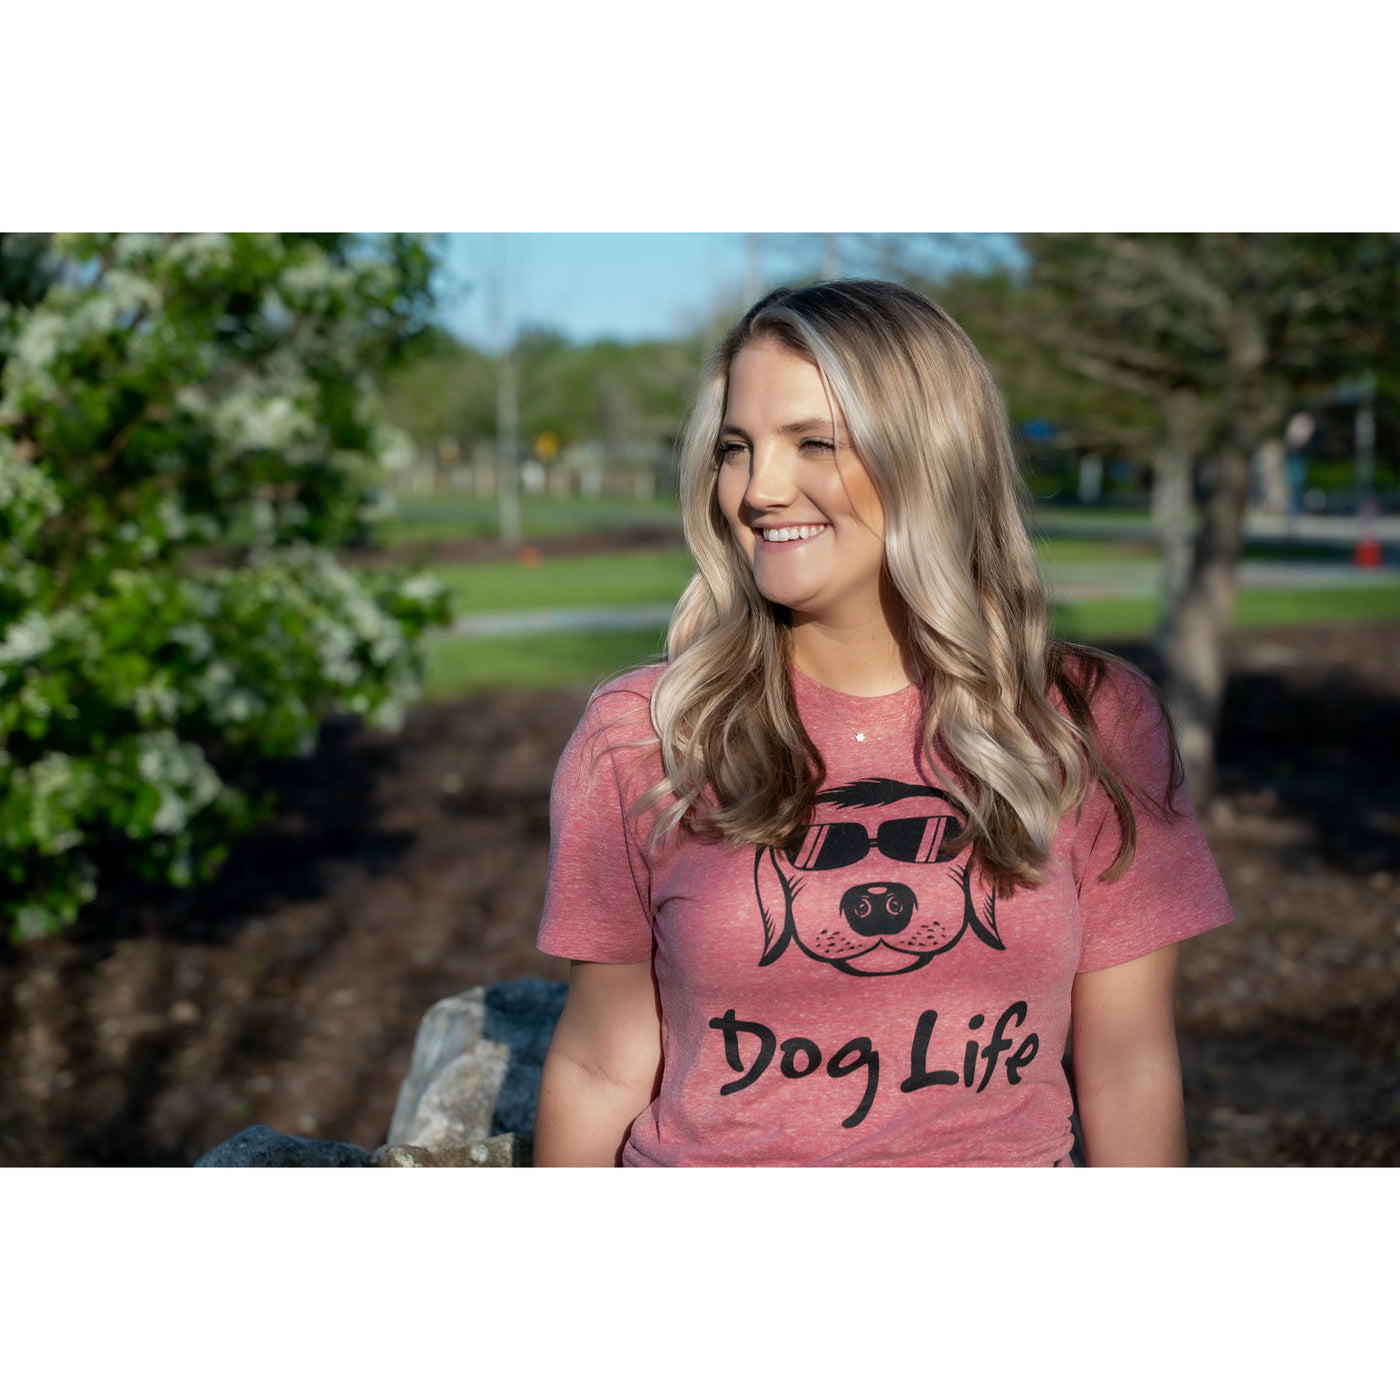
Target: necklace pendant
(860, 738)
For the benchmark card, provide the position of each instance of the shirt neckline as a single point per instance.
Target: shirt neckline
(890, 700)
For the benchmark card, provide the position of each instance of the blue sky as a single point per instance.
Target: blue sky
(631, 286)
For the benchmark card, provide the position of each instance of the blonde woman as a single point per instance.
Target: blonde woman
(840, 878)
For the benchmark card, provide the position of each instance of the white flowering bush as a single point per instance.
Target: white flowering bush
(188, 432)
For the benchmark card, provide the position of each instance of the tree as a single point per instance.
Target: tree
(605, 391)
(188, 430)
(1215, 333)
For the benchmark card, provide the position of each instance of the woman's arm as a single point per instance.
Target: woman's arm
(603, 1067)
(1127, 1074)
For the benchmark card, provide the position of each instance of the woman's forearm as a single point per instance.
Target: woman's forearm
(1134, 1120)
(1127, 1072)
(583, 1118)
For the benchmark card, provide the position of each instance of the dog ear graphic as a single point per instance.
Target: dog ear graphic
(774, 905)
(987, 931)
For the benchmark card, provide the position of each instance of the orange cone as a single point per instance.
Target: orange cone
(1368, 551)
(1367, 554)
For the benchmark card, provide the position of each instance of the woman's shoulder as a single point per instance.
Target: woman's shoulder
(1124, 719)
(1123, 704)
(624, 702)
(1113, 689)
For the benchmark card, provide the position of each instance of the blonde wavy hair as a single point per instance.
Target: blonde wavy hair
(925, 418)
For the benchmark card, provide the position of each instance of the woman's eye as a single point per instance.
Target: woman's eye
(818, 445)
(727, 451)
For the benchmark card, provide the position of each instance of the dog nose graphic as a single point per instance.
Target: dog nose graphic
(878, 911)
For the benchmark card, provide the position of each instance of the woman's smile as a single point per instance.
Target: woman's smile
(790, 534)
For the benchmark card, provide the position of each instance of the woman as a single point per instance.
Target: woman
(837, 879)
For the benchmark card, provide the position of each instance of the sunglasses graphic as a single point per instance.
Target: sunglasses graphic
(910, 840)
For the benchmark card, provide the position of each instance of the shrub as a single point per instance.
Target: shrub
(188, 432)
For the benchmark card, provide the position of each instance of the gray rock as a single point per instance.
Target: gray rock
(468, 1100)
(522, 1015)
(259, 1146)
(475, 1072)
(506, 1150)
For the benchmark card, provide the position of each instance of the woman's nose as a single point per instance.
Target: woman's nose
(770, 480)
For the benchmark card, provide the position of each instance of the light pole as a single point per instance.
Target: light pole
(507, 413)
(1366, 436)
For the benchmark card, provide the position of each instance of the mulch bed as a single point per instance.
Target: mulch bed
(403, 869)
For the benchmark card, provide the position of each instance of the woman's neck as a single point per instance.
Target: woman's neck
(860, 660)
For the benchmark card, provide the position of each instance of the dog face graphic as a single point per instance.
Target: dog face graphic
(869, 887)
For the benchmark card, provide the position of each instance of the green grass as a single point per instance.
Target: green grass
(1068, 517)
(461, 666)
(429, 519)
(580, 580)
(1128, 618)
(653, 576)
(1067, 550)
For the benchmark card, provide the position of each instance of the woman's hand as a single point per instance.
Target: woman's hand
(1127, 1073)
(603, 1067)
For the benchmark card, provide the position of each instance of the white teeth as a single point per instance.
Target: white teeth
(792, 532)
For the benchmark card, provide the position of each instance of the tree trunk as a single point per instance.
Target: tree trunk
(1194, 646)
(1185, 416)
(1171, 513)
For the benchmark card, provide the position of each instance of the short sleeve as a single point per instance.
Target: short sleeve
(1172, 890)
(598, 900)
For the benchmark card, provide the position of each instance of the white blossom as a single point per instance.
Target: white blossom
(250, 421)
(172, 517)
(26, 640)
(133, 249)
(25, 485)
(33, 921)
(393, 448)
(194, 637)
(31, 357)
(156, 701)
(200, 253)
(180, 774)
(313, 278)
(422, 588)
(56, 788)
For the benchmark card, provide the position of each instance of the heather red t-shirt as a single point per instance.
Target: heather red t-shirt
(859, 1000)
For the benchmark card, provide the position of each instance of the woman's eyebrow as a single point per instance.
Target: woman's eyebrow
(807, 425)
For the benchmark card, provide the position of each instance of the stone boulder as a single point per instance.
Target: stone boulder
(259, 1146)
(468, 1099)
(476, 1064)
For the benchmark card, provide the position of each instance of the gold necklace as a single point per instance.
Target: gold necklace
(860, 734)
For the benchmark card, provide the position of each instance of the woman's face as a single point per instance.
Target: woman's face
(813, 531)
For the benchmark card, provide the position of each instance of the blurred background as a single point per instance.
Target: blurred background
(312, 546)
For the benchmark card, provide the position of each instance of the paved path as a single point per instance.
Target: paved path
(1258, 525)
(525, 624)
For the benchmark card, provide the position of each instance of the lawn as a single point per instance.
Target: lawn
(429, 519)
(459, 666)
(578, 580)
(658, 576)
(462, 666)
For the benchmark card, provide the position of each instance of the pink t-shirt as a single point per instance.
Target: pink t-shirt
(858, 1000)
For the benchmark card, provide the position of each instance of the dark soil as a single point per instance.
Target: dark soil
(406, 868)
